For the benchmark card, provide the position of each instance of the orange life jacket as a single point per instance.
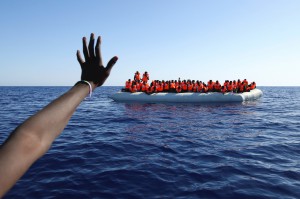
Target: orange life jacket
(138, 87)
(195, 89)
(145, 77)
(234, 86)
(150, 89)
(137, 76)
(241, 87)
(128, 84)
(225, 84)
(184, 86)
(190, 87)
(153, 83)
(159, 88)
(200, 87)
(210, 86)
(166, 87)
(133, 89)
(217, 86)
(145, 87)
(172, 86)
(229, 87)
(248, 88)
(252, 86)
(178, 89)
(223, 90)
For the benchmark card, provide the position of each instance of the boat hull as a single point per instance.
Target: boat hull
(188, 97)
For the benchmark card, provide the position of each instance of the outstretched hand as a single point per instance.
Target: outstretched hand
(92, 68)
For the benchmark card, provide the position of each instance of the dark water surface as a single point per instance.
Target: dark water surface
(123, 150)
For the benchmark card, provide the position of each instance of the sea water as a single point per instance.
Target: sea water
(163, 150)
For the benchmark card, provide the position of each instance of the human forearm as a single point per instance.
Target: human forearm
(48, 123)
(34, 137)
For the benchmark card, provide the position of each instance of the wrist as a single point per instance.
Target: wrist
(93, 85)
(88, 84)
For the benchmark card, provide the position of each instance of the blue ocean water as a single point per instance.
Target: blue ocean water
(144, 150)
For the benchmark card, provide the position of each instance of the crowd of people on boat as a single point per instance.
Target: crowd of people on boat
(141, 84)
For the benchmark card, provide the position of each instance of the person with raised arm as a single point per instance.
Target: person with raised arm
(33, 138)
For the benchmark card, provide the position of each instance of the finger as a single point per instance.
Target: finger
(85, 49)
(98, 51)
(111, 63)
(91, 45)
(80, 60)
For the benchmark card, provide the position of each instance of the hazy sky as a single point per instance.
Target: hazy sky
(192, 39)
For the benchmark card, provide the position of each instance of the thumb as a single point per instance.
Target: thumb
(111, 63)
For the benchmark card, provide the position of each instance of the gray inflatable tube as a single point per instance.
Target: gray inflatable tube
(187, 97)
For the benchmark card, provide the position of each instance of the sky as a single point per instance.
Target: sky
(193, 39)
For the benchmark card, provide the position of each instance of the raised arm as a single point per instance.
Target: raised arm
(33, 138)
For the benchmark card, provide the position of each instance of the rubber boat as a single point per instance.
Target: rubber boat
(187, 97)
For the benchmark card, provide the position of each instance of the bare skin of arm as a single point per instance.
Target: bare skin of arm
(34, 137)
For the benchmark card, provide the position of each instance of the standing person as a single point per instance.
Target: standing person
(145, 77)
(137, 76)
(33, 138)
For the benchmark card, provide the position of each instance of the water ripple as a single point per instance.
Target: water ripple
(149, 150)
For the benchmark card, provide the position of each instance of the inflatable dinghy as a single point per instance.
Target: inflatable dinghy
(187, 97)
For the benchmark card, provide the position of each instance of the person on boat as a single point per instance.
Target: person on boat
(189, 86)
(245, 82)
(226, 83)
(137, 85)
(141, 84)
(210, 85)
(128, 85)
(217, 86)
(195, 86)
(166, 86)
(229, 87)
(150, 90)
(252, 85)
(200, 87)
(184, 87)
(144, 87)
(205, 88)
(133, 88)
(34, 137)
(159, 87)
(248, 88)
(145, 77)
(223, 89)
(238, 84)
(177, 83)
(241, 88)
(173, 86)
(234, 85)
(137, 76)
(178, 89)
